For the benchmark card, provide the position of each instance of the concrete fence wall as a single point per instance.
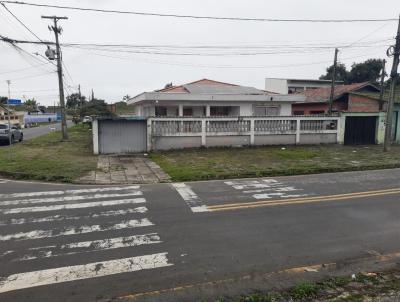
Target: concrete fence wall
(179, 133)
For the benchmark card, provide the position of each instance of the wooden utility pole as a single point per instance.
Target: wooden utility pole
(395, 52)
(333, 82)
(57, 31)
(382, 85)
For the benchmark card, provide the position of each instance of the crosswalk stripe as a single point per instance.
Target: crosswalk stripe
(190, 197)
(52, 218)
(67, 198)
(85, 271)
(72, 206)
(79, 191)
(37, 234)
(90, 246)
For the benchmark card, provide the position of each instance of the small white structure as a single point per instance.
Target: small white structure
(289, 86)
(207, 98)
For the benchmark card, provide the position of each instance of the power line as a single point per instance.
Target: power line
(184, 64)
(23, 69)
(20, 22)
(317, 45)
(34, 76)
(176, 50)
(196, 16)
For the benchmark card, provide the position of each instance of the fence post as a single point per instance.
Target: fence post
(338, 129)
(95, 133)
(297, 131)
(149, 134)
(252, 132)
(203, 133)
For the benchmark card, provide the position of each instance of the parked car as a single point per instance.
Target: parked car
(16, 133)
(87, 120)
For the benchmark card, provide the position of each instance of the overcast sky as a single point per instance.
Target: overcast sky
(113, 75)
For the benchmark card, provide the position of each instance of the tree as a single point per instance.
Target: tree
(74, 101)
(341, 73)
(3, 99)
(30, 104)
(94, 107)
(126, 98)
(368, 71)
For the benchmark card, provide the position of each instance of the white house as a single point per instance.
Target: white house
(284, 86)
(211, 98)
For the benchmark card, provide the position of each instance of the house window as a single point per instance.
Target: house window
(188, 111)
(266, 111)
(298, 112)
(295, 89)
(160, 111)
(219, 111)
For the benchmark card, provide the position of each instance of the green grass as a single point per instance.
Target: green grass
(50, 159)
(203, 164)
(304, 290)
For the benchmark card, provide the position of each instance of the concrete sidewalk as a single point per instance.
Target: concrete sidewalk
(125, 169)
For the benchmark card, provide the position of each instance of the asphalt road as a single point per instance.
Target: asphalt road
(161, 242)
(30, 133)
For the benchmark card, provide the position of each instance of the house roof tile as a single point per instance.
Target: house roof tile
(323, 94)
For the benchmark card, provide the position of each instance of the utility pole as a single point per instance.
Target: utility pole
(80, 96)
(382, 85)
(395, 52)
(57, 31)
(8, 112)
(333, 82)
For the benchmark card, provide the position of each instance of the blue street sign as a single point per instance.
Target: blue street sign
(14, 102)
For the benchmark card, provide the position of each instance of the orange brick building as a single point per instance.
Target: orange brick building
(347, 98)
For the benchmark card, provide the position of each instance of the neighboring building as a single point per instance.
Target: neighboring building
(211, 98)
(347, 98)
(15, 117)
(289, 86)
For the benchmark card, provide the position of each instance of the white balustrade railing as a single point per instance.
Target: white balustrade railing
(251, 126)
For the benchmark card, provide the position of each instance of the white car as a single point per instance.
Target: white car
(87, 119)
(16, 133)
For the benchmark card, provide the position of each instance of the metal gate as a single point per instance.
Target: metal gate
(360, 130)
(122, 136)
(394, 125)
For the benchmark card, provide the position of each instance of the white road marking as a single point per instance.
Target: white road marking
(80, 191)
(3, 181)
(265, 188)
(67, 198)
(192, 200)
(90, 246)
(252, 184)
(6, 253)
(73, 206)
(280, 195)
(52, 218)
(66, 231)
(85, 271)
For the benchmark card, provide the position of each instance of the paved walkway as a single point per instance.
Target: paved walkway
(128, 169)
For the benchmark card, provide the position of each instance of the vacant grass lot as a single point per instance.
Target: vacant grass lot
(201, 164)
(48, 158)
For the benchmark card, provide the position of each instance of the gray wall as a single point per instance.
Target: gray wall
(175, 142)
